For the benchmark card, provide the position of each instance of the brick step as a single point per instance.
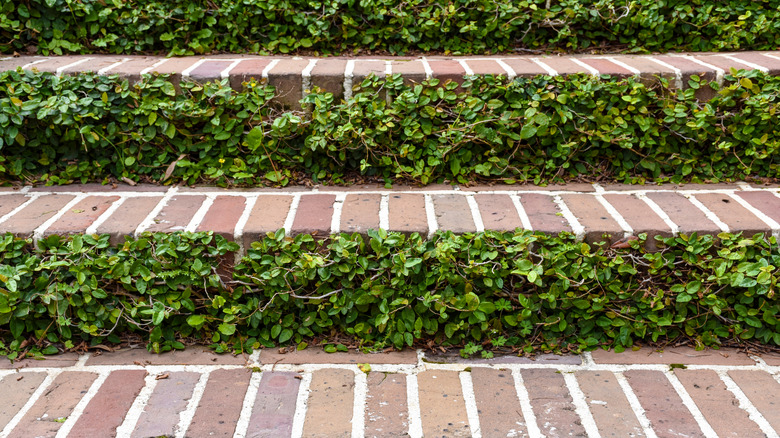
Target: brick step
(293, 77)
(592, 212)
(131, 393)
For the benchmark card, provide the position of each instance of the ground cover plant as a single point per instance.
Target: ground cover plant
(180, 27)
(527, 291)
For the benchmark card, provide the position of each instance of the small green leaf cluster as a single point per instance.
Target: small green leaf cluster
(527, 290)
(182, 27)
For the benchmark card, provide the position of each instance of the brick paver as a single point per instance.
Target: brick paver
(360, 213)
(127, 217)
(14, 392)
(762, 390)
(220, 406)
(442, 408)
(498, 407)
(552, 403)
(176, 214)
(223, 215)
(387, 411)
(407, 213)
(314, 216)
(610, 408)
(498, 212)
(81, 216)
(33, 215)
(453, 213)
(598, 222)
(329, 410)
(543, 213)
(107, 409)
(275, 404)
(662, 405)
(684, 214)
(170, 397)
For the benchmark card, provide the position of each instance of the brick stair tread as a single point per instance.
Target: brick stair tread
(594, 213)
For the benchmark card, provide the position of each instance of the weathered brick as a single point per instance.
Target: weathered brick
(718, 405)
(689, 68)
(485, 67)
(11, 63)
(640, 217)
(524, 67)
(360, 213)
(53, 63)
(222, 216)
(246, 70)
(407, 213)
(61, 360)
(77, 219)
(412, 71)
(319, 356)
(683, 213)
(552, 403)
(328, 74)
(386, 409)
(598, 223)
(497, 403)
(107, 409)
(190, 356)
(131, 70)
(25, 221)
(209, 71)
(9, 202)
(442, 408)
(220, 406)
(683, 355)
(176, 214)
(174, 67)
(93, 65)
(543, 213)
(761, 389)
(330, 406)
(607, 67)
(267, 215)
(771, 64)
(498, 212)
(125, 219)
(454, 357)
(663, 407)
(737, 217)
(563, 66)
(314, 215)
(447, 70)
(15, 390)
(766, 202)
(364, 69)
(608, 404)
(286, 76)
(274, 407)
(722, 62)
(649, 71)
(453, 213)
(168, 400)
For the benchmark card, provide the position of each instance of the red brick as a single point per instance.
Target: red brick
(663, 407)
(131, 70)
(93, 65)
(544, 358)
(608, 404)
(360, 213)
(330, 406)
(442, 408)
(246, 70)
(683, 213)
(766, 202)
(25, 221)
(525, 67)
(761, 389)
(723, 63)
(274, 407)
(552, 403)
(737, 217)
(89, 188)
(223, 215)
(771, 64)
(413, 71)
(328, 74)
(209, 71)
(683, 355)
(497, 403)
(317, 355)
(598, 223)
(169, 398)
(11, 63)
(718, 405)
(447, 70)
(640, 217)
(649, 71)
(771, 359)
(607, 67)
(220, 406)
(190, 356)
(364, 69)
(564, 66)
(15, 390)
(486, 67)
(387, 413)
(268, 215)
(81, 216)
(498, 212)
(45, 417)
(453, 213)
(569, 187)
(689, 68)
(407, 213)
(107, 409)
(61, 360)
(174, 67)
(543, 213)
(53, 63)
(176, 214)
(9, 202)
(125, 219)
(314, 215)
(286, 76)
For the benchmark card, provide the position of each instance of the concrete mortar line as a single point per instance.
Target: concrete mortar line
(633, 402)
(348, 76)
(335, 220)
(510, 72)
(59, 70)
(592, 70)
(186, 416)
(532, 427)
(384, 212)
(137, 408)
(38, 232)
(430, 215)
(306, 77)
(74, 416)
(242, 425)
(147, 222)
(224, 74)
(475, 214)
(576, 227)
(660, 212)
(427, 68)
(746, 405)
(550, 71)
(186, 72)
(707, 212)
(28, 65)
(200, 213)
(14, 421)
(678, 79)
(105, 70)
(469, 399)
(634, 71)
(267, 70)
(153, 66)
(746, 63)
(690, 404)
(744, 186)
(524, 219)
(771, 223)
(467, 70)
(21, 207)
(769, 55)
(92, 229)
(238, 230)
(581, 405)
(413, 406)
(719, 72)
(360, 392)
(300, 406)
(627, 230)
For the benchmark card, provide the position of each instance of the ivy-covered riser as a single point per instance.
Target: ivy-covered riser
(528, 290)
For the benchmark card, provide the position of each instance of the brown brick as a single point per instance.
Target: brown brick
(608, 404)
(268, 215)
(247, 69)
(765, 202)
(364, 69)
(360, 213)
(89, 188)
(176, 214)
(640, 217)
(689, 68)
(413, 71)
(718, 405)
(761, 389)
(447, 70)
(543, 213)
(663, 407)
(25, 221)
(131, 70)
(174, 67)
(223, 215)
(61, 360)
(442, 408)
(453, 213)
(209, 71)
(127, 217)
(93, 65)
(9, 202)
(11, 63)
(737, 217)
(190, 356)
(486, 67)
(683, 213)
(286, 76)
(649, 71)
(314, 215)
(220, 406)
(497, 403)
(722, 63)
(53, 63)
(544, 358)
(328, 74)
(498, 212)
(564, 66)
(683, 355)
(330, 407)
(771, 64)
(407, 213)
(771, 359)
(598, 223)
(169, 398)
(107, 409)
(274, 408)
(552, 403)
(15, 390)
(386, 409)
(45, 417)
(81, 216)
(525, 67)
(607, 67)
(317, 355)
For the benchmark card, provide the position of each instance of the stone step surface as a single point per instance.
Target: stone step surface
(193, 393)
(294, 77)
(592, 212)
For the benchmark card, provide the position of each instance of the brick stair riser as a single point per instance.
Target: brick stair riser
(294, 77)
